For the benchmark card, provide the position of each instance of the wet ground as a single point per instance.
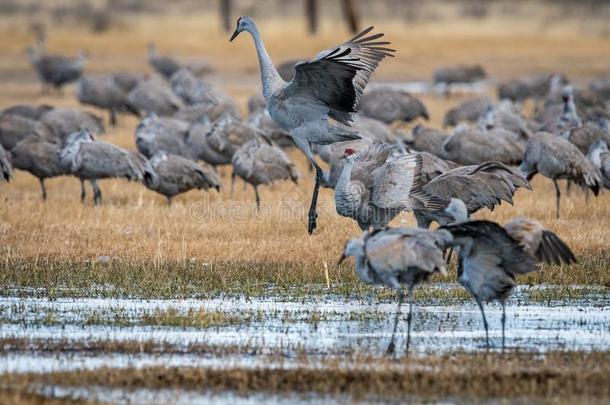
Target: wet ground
(271, 332)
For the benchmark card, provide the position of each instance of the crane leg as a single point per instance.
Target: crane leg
(43, 188)
(83, 192)
(568, 187)
(480, 304)
(390, 350)
(112, 118)
(232, 183)
(169, 201)
(503, 323)
(313, 216)
(97, 193)
(558, 195)
(258, 199)
(409, 319)
(448, 254)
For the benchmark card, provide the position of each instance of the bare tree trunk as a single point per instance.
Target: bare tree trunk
(350, 15)
(225, 14)
(311, 11)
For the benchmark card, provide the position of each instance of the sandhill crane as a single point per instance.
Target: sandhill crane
(39, 157)
(33, 112)
(328, 86)
(89, 159)
(6, 171)
(216, 143)
(557, 158)
(66, 120)
(154, 134)
(125, 80)
(476, 145)
(469, 110)
(600, 157)
(164, 65)
(57, 70)
(491, 256)
(505, 115)
(379, 183)
(260, 162)
(153, 96)
(193, 90)
(15, 128)
(173, 175)
(103, 92)
(482, 186)
(261, 120)
(458, 74)
(426, 139)
(389, 105)
(398, 256)
(531, 86)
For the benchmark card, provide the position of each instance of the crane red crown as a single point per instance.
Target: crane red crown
(349, 151)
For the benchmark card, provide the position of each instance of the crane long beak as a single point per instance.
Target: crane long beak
(341, 259)
(235, 34)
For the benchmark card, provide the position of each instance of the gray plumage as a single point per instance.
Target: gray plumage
(33, 112)
(6, 171)
(426, 139)
(89, 159)
(259, 162)
(197, 112)
(57, 70)
(389, 105)
(491, 256)
(173, 175)
(155, 134)
(380, 182)
(65, 121)
(476, 145)
(153, 96)
(38, 157)
(506, 116)
(103, 92)
(482, 186)
(535, 86)
(125, 80)
(328, 86)
(600, 158)
(15, 128)
(216, 143)
(162, 64)
(556, 158)
(394, 257)
(193, 90)
(459, 74)
(467, 111)
(261, 120)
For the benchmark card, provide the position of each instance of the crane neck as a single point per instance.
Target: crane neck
(270, 78)
(346, 175)
(595, 157)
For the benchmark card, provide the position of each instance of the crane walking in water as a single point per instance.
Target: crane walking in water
(328, 86)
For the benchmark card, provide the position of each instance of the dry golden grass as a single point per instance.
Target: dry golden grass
(211, 241)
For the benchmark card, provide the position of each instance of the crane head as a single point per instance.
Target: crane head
(243, 24)
(349, 152)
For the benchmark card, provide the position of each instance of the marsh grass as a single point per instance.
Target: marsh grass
(555, 376)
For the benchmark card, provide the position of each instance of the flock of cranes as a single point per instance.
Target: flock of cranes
(188, 128)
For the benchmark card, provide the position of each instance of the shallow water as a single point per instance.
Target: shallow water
(316, 327)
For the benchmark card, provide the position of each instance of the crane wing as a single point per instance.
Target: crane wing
(336, 77)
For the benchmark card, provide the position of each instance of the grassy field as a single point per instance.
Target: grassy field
(212, 242)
